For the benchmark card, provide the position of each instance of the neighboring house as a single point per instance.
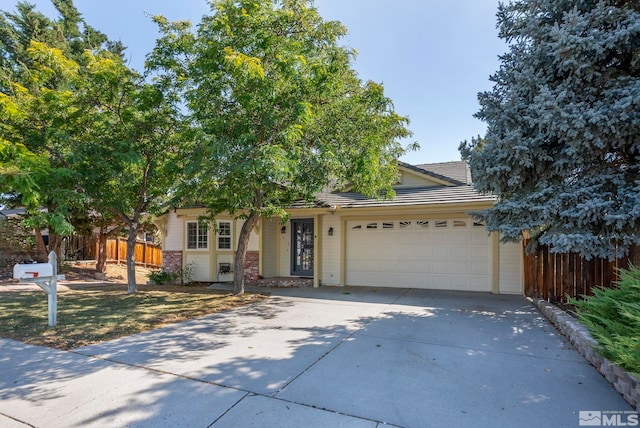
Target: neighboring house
(423, 238)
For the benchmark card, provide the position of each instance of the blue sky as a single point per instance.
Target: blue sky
(432, 56)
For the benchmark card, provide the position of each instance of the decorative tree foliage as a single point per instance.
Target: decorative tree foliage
(125, 145)
(562, 149)
(81, 131)
(278, 112)
(38, 59)
(37, 113)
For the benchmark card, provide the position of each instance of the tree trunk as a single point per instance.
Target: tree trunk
(101, 264)
(241, 252)
(131, 258)
(55, 243)
(41, 249)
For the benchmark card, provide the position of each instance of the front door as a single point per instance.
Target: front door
(302, 246)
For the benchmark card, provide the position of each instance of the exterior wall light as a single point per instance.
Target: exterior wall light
(283, 229)
(331, 231)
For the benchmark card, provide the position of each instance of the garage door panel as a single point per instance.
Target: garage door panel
(460, 238)
(370, 252)
(480, 268)
(406, 252)
(480, 237)
(441, 252)
(378, 279)
(422, 267)
(459, 252)
(438, 238)
(444, 268)
(449, 258)
(401, 265)
(478, 252)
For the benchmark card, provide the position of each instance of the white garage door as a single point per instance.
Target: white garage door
(452, 254)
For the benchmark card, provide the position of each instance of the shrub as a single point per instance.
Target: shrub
(160, 277)
(612, 315)
(182, 276)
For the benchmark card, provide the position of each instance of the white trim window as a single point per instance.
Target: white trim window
(197, 235)
(223, 235)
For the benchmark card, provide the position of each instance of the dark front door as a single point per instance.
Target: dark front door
(302, 246)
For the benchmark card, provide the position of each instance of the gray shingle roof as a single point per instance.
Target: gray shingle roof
(14, 212)
(456, 170)
(404, 197)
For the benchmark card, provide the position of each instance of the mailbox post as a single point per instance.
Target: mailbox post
(46, 276)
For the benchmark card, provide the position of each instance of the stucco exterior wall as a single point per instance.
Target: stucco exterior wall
(411, 180)
(511, 281)
(284, 245)
(174, 239)
(271, 235)
(331, 246)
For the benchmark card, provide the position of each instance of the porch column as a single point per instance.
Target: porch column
(261, 232)
(495, 262)
(317, 249)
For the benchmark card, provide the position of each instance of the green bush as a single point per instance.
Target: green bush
(161, 277)
(612, 315)
(181, 276)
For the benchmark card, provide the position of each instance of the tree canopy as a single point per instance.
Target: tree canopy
(81, 131)
(278, 112)
(39, 60)
(562, 148)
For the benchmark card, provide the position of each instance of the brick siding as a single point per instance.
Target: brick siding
(251, 266)
(172, 261)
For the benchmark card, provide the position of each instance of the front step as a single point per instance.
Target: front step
(282, 282)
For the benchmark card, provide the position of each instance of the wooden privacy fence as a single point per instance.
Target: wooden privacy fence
(553, 277)
(146, 254)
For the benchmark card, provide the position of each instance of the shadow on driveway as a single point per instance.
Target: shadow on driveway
(326, 357)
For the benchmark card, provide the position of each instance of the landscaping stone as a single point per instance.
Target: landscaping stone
(625, 383)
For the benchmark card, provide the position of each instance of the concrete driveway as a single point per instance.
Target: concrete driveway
(325, 357)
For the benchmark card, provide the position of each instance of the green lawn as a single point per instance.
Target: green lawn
(87, 316)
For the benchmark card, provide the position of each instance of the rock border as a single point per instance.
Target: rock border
(625, 383)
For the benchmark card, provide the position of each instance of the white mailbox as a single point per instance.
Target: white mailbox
(32, 270)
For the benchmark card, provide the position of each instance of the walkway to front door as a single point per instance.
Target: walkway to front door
(302, 247)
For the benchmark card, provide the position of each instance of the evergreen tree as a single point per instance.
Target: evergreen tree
(562, 149)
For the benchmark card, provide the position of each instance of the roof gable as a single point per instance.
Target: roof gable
(440, 174)
(425, 184)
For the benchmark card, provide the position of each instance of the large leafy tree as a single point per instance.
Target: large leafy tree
(38, 57)
(37, 112)
(125, 151)
(83, 135)
(279, 114)
(562, 149)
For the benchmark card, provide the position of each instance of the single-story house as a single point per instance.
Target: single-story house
(423, 238)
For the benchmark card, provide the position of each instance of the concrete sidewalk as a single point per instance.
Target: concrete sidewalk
(317, 357)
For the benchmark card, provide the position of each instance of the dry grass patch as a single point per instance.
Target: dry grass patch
(96, 314)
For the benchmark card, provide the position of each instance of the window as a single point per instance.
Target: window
(459, 223)
(372, 226)
(197, 235)
(357, 227)
(423, 224)
(405, 224)
(442, 223)
(224, 235)
(388, 225)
